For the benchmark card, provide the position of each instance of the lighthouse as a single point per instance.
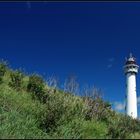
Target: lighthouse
(131, 70)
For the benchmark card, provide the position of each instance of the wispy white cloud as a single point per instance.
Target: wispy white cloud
(111, 59)
(110, 62)
(109, 66)
(119, 106)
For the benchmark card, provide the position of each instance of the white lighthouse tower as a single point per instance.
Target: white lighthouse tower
(131, 69)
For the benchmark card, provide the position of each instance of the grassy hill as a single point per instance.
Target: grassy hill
(29, 108)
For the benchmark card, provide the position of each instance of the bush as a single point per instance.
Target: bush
(3, 68)
(121, 126)
(55, 110)
(61, 109)
(36, 86)
(16, 79)
(97, 109)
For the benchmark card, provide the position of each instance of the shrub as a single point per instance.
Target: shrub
(36, 86)
(3, 68)
(97, 109)
(61, 109)
(121, 126)
(55, 110)
(16, 79)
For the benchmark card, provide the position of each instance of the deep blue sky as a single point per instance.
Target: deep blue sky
(90, 40)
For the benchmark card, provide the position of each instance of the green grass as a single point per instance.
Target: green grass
(60, 115)
(20, 116)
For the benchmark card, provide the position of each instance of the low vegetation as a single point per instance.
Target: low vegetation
(30, 108)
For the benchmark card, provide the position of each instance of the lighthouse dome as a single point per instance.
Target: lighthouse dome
(130, 60)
